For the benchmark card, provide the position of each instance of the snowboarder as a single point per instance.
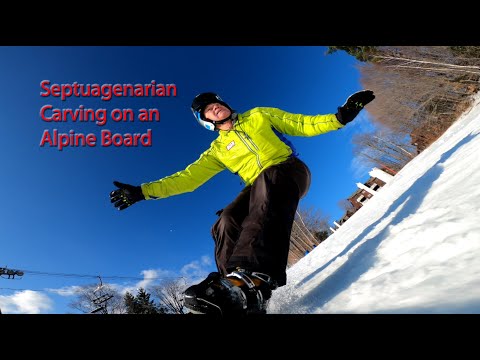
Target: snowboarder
(252, 233)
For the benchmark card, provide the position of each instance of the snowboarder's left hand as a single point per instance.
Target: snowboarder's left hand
(354, 104)
(126, 195)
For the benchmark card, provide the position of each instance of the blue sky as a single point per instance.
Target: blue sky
(56, 217)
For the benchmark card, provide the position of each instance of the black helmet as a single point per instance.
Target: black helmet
(199, 104)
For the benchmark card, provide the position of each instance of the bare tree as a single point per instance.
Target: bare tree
(420, 89)
(386, 147)
(170, 295)
(102, 299)
(309, 229)
(379, 152)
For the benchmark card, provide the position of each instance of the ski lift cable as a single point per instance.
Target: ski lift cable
(112, 277)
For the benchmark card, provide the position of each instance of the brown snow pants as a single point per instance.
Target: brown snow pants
(253, 232)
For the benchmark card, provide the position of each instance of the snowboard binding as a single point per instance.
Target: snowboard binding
(240, 293)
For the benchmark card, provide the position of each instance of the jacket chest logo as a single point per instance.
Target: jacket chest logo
(232, 144)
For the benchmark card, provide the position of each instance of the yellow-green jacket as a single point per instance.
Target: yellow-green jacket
(250, 147)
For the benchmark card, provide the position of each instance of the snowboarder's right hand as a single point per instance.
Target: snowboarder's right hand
(126, 195)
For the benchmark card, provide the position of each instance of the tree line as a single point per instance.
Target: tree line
(420, 91)
(166, 298)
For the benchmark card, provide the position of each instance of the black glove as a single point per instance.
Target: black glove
(356, 102)
(126, 195)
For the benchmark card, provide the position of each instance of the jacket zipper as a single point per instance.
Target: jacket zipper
(248, 146)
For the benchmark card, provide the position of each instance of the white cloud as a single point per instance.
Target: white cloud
(360, 167)
(197, 270)
(26, 302)
(206, 260)
(192, 272)
(66, 291)
(151, 277)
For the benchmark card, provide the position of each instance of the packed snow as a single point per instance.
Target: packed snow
(412, 248)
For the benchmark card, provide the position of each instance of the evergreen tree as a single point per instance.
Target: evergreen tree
(146, 306)
(140, 304)
(361, 53)
(321, 235)
(129, 300)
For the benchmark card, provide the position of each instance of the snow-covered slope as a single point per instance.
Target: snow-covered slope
(413, 248)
